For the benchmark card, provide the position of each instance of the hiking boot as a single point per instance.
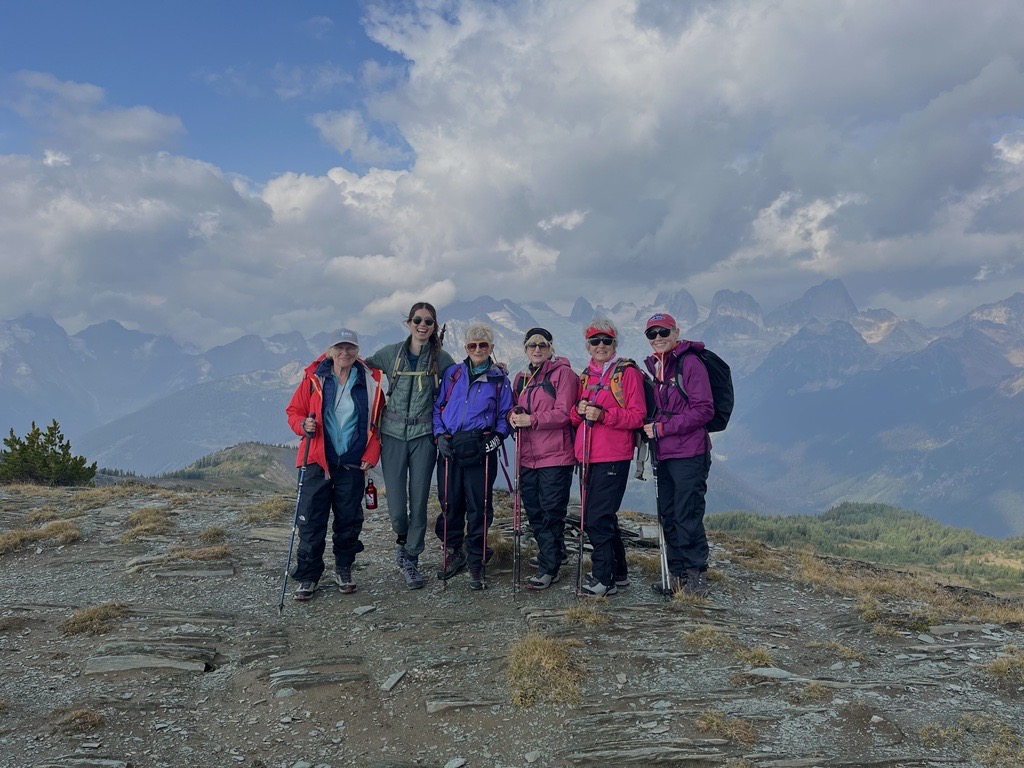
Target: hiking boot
(594, 588)
(343, 578)
(456, 562)
(305, 590)
(410, 569)
(620, 581)
(696, 583)
(400, 556)
(476, 577)
(675, 584)
(541, 580)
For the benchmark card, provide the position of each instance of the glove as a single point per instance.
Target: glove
(444, 446)
(492, 443)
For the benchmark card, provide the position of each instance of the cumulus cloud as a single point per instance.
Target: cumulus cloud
(550, 149)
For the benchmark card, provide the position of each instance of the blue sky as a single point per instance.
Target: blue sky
(208, 170)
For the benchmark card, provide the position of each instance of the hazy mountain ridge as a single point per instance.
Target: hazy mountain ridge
(833, 403)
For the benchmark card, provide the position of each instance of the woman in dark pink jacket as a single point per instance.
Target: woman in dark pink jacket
(682, 450)
(544, 395)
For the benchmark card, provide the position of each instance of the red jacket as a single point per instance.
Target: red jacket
(308, 398)
(614, 437)
(549, 396)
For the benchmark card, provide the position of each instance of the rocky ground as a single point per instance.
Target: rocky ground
(777, 669)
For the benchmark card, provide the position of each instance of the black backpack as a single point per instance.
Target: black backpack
(720, 376)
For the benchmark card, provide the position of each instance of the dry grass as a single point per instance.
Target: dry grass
(272, 510)
(41, 515)
(544, 669)
(64, 531)
(1009, 667)
(13, 623)
(812, 693)
(717, 723)
(647, 562)
(586, 614)
(755, 657)
(213, 535)
(937, 735)
(77, 720)
(884, 631)
(503, 549)
(708, 639)
(838, 650)
(755, 555)
(214, 552)
(149, 521)
(501, 504)
(95, 620)
(94, 498)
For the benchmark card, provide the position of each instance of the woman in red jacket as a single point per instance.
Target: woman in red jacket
(610, 410)
(335, 408)
(545, 395)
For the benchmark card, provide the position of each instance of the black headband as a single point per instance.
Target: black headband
(538, 332)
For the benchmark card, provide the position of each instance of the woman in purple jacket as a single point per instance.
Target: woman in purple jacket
(682, 450)
(470, 421)
(545, 394)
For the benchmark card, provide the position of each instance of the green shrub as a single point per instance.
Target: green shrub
(43, 458)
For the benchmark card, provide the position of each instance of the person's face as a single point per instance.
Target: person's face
(478, 350)
(664, 339)
(601, 347)
(538, 350)
(421, 324)
(344, 355)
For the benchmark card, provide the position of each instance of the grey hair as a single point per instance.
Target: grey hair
(602, 323)
(478, 332)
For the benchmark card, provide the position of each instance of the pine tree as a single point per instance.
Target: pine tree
(43, 458)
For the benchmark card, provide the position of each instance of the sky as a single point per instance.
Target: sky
(211, 169)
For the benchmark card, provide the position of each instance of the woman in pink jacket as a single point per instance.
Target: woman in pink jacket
(545, 395)
(610, 410)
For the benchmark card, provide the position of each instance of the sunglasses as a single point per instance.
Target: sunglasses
(653, 333)
(538, 345)
(597, 340)
(483, 345)
(427, 321)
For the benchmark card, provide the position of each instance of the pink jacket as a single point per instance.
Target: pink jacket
(549, 396)
(614, 437)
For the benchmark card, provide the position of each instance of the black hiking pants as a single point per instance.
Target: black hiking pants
(465, 497)
(604, 495)
(341, 493)
(682, 485)
(545, 492)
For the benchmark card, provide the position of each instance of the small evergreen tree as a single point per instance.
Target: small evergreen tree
(43, 458)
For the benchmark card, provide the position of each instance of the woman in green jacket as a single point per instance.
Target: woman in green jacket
(408, 455)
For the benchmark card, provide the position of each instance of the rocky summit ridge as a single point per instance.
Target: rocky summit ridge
(793, 662)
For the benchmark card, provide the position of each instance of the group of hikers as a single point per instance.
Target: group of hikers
(439, 416)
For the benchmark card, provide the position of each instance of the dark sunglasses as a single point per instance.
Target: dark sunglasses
(427, 321)
(538, 345)
(483, 345)
(653, 333)
(606, 340)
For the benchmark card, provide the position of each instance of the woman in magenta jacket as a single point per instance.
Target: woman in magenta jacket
(545, 395)
(605, 439)
(682, 450)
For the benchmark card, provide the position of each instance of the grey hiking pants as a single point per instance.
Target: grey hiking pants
(408, 468)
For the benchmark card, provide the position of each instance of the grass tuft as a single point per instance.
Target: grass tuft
(149, 521)
(271, 510)
(755, 657)
(1008, 667)
(717, 723)
(77, 720)
(586, 614)
(213, 535)
(95, 620)
(708, 639)
(838, 650)
(215, 552)
(645, 561)
(41, 515)
(543, 669)
(64, 531)
(811, 693)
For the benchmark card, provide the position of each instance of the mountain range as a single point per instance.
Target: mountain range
(834, 403)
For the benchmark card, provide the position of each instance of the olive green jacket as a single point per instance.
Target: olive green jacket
(411, 393)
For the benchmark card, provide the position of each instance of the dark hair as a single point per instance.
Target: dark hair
(436, 336)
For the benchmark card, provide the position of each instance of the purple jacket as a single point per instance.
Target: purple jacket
(549, 396)
(680, 422)
(465, 403)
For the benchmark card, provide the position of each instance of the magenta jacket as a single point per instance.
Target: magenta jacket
(549, 396)
(614, 437)
(680, 422)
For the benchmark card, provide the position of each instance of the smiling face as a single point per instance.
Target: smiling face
(478, 350)
(421, 324)
(601, 347)
(344, 356)
(538, 349)
(664, 339)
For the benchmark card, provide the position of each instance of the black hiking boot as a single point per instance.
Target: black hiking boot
(696, 583)
(456, 562)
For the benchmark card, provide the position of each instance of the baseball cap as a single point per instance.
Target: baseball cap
(345, 336)
(661, 320)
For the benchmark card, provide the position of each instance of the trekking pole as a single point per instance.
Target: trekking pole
(517, 513)
(483, 549)
(665, 578)
(295, 518)
(584, 481)
(444, 530)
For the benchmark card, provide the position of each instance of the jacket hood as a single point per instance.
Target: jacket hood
(679, 350)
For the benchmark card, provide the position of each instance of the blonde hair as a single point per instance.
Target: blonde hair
(538, 337)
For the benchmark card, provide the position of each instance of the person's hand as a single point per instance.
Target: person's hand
(365, 466)
(492, 443)
(519, 419)
(444, 446)
(581, 407)
(593, 413)
(651, 430)
(309, 425)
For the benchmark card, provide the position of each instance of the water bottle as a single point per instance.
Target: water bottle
(370, 495)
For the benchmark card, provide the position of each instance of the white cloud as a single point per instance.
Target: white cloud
(347, 131)
(291, 82)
